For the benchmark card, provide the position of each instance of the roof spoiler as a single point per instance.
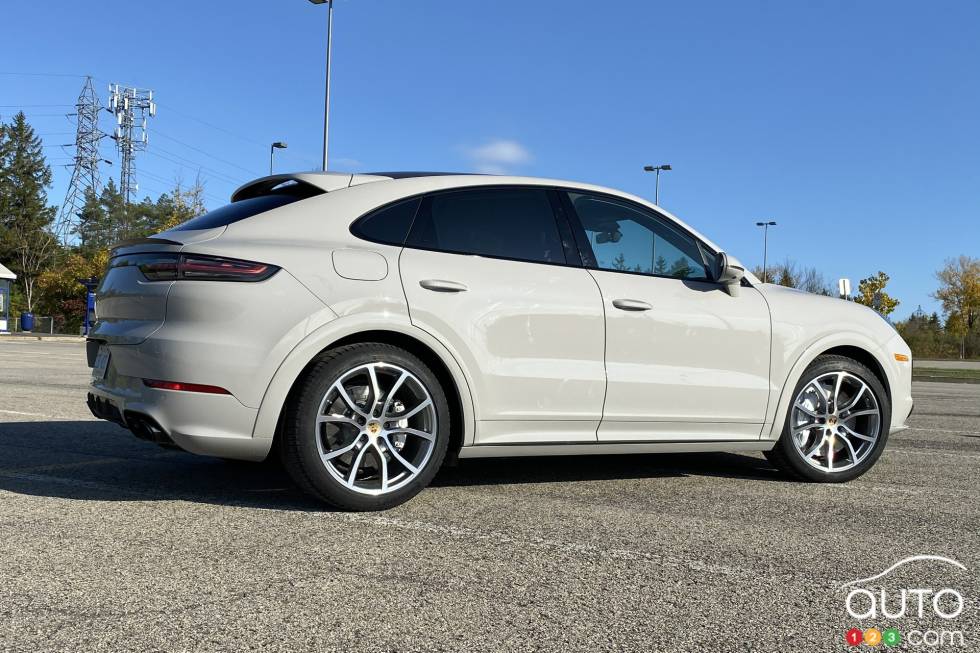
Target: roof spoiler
(324, 182)
(142, 241)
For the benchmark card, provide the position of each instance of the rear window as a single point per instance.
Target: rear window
(389, 224)
(247, 208)
(510, 223)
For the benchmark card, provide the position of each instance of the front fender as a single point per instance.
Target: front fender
(814, 349)
(326, 335)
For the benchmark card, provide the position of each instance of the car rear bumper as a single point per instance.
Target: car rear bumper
(207, 424)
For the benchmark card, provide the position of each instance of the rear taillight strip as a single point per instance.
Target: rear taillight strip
(198, 267)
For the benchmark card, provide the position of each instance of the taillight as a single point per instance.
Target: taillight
(198, 267)
(212, 268)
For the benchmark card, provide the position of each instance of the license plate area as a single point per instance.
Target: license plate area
(101, 365)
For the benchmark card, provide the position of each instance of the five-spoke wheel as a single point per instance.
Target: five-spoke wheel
(367, 429)
(375, 429)
(837, 424)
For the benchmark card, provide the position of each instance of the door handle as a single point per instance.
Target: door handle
(441, 285)
(631, 305)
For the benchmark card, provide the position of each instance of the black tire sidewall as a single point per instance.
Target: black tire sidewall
(301, 426)
(787, 453)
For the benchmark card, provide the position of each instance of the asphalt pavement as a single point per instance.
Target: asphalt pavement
(110, 543)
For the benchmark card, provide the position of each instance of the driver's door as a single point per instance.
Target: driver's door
(684, 359)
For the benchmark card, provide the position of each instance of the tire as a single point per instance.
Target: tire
(845, 429)
(338, 447)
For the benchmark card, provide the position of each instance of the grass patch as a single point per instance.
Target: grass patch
(938, 374)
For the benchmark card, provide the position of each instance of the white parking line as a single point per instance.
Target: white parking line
(17, 412)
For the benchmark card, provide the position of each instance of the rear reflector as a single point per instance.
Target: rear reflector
(185, 387)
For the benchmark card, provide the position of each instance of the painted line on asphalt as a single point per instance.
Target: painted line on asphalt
(18, 412)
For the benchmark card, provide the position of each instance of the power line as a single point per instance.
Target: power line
(197, 149)
(40, 74)
(20, 106)
(185, 160)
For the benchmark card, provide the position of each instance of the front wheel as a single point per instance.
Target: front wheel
(367, 428)
(837, 425)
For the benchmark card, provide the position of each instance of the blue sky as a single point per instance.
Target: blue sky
(854, 125)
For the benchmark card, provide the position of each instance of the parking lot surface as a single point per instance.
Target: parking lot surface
(110, 543)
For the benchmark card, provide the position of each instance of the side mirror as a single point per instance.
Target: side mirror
(728, 274)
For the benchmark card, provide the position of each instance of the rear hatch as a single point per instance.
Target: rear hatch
(128, 306)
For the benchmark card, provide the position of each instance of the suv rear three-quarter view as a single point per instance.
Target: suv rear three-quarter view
(370, 326)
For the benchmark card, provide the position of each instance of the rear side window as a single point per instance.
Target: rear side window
(247, 208)
(389, 224)
(511, 223)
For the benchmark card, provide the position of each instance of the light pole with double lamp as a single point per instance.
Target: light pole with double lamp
(656, 193)
(326, 91)
(765, 247)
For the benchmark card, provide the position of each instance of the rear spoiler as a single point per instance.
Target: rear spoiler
(152, 240)
(324, 182)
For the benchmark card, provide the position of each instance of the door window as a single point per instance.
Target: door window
(625, 238)
(510, 223)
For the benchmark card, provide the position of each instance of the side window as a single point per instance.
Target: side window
(628, 239)
(512, 223)
(389, 224)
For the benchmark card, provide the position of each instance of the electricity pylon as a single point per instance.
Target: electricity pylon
(85, 171)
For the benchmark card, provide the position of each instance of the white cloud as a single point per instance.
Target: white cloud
(498, 157)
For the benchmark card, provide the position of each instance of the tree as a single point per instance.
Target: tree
(93, 228)
(790, 275)
(871, 293)
(959, 292)
(25, 217)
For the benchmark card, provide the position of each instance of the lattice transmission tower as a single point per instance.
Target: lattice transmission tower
(85, 169)
(132, 106)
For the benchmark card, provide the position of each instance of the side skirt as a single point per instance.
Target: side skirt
(604, 448)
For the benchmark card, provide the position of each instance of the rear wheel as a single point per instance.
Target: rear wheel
(367, 428)
(837, 425)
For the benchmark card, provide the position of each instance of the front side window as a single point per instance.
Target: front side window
(511, 223)
(625, 238)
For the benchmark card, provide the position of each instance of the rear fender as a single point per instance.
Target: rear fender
(344, 327)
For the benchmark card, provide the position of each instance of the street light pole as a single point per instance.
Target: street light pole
(656, 193)
(278, 145)
(326, 91)
(765, 247)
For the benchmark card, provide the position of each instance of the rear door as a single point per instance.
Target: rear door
(685, 360)
(492, 273)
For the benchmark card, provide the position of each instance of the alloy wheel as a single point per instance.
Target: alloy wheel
(376, 428)
(836, 421)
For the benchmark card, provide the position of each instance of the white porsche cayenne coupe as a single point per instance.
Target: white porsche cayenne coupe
(367, 328)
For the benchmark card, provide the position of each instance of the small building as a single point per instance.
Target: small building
(6, 276)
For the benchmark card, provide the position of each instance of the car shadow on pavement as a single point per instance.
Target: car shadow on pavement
(561, 469)
(89, 460)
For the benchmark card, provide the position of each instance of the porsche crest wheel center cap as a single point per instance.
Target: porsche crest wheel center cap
(374, 428)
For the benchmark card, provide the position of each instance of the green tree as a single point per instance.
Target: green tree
(25, 217)
(959, 292)
(93, 229)
(871, 293)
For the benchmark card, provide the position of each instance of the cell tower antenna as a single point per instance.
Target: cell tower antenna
(131, 106)
(85, 169)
